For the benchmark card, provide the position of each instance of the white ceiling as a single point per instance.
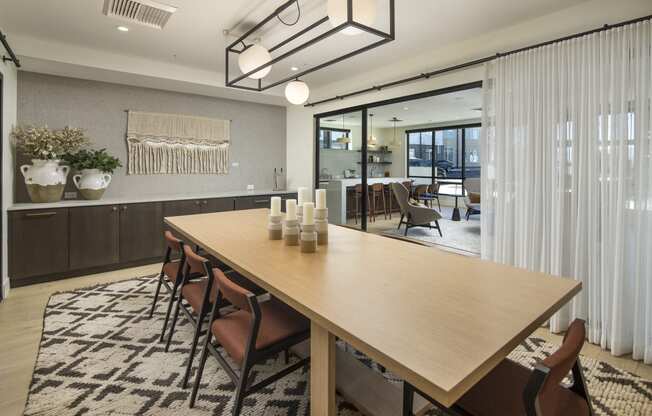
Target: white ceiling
(193, 37)
(445, 108)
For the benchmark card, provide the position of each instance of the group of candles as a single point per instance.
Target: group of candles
(304, 202)
(300, 215)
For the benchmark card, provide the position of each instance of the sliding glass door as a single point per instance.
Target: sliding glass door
(341, 161)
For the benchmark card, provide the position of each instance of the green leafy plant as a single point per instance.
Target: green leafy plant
(92, 159)
(44, 143)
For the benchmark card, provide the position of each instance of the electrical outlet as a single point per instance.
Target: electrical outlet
(70, 195)
(250, 188)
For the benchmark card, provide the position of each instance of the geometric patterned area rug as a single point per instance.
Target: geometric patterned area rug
(100, 355)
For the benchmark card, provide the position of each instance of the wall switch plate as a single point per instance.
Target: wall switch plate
(250, 187)
(70, 195)
(235, 164)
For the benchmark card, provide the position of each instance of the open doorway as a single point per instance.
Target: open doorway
(430, 143)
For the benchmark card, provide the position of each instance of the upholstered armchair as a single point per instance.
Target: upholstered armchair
(472, 198)
(414, 215)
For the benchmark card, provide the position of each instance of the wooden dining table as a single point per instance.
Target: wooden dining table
(439, 320)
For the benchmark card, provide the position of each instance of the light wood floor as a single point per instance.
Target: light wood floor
(21, 323)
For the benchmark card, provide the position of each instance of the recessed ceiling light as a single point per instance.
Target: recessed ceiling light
(295, 68)
(405, 108)
(123, 28)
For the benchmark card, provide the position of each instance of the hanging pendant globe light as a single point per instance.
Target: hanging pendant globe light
(364, 12)
(253, 57)
(297, 92)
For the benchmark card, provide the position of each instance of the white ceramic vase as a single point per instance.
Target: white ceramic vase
(92, 183)
(45, 180)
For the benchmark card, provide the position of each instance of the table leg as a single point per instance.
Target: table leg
(322, 371)
(456, 212)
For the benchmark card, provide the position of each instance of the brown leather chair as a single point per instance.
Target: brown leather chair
(358, 202)
(195, 293)
(261, 328)
(171, 275)
(511, 389)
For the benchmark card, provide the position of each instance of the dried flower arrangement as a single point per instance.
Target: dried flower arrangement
(46, 144)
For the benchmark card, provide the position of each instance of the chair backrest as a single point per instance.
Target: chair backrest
(194, 261)
(172, 242)
(472, 185)
(231, 291)
(562, 361)
(377, 187)
(402, 195)
(420, 189)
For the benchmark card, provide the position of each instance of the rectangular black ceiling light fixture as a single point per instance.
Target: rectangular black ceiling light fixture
(265, 57)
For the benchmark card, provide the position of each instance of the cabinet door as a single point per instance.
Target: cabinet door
(94, 236)
(252, 202)
(141, 231)
(217, 205)
(186, 207)
(38, 242)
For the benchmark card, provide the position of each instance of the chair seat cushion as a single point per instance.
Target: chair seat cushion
(278, 322)
(474, 197)
(475, 207)
(193, 293)
(500, 393)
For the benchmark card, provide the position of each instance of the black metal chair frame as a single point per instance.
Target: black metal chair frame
(409, 224)
(252, 355)
(197, 322)
(471, 211)
(530, 394)
(171, 289)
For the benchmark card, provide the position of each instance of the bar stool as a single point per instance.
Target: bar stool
(408, 185)
(378, 195)
(358, 198)
(387, 189)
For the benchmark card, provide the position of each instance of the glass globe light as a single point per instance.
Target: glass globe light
(297, 92)
(253, 57)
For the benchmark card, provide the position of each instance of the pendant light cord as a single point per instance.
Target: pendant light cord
(298, 16)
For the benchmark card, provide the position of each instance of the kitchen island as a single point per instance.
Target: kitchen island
(336, 195)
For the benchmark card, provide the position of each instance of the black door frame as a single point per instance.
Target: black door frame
(2, 185)
(364, 108)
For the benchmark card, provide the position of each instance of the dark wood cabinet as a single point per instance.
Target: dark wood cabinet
(38, 242)
(94, 236)
(185, 207)
(217, 205)
(141, 231)
(50, 244)
(252, 202)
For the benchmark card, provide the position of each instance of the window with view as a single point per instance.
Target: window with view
(446, 152)
(336, 139)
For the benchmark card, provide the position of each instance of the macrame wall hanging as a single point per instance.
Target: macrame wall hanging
(177, 144)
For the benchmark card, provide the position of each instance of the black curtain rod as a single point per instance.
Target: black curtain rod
(12, 55)
(475, 62)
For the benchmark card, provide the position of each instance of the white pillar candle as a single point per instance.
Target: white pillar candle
(320, 198)
(276, 206)
(307, 195)
(308, 213)
(300, 194)
(291, 209)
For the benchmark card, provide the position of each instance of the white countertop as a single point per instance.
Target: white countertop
(370, 181)
(141, 199)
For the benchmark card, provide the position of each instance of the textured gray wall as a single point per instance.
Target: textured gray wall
(257, 131)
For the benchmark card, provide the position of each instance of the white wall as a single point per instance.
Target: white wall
(585, 16)
(9, 101)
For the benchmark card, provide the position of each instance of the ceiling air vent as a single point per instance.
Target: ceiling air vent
(144, 12)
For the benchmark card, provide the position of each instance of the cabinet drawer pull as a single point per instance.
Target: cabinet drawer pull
(261, 201)
(124, 208)
(41, 214)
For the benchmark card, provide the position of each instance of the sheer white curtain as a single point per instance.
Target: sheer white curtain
(567, 176)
